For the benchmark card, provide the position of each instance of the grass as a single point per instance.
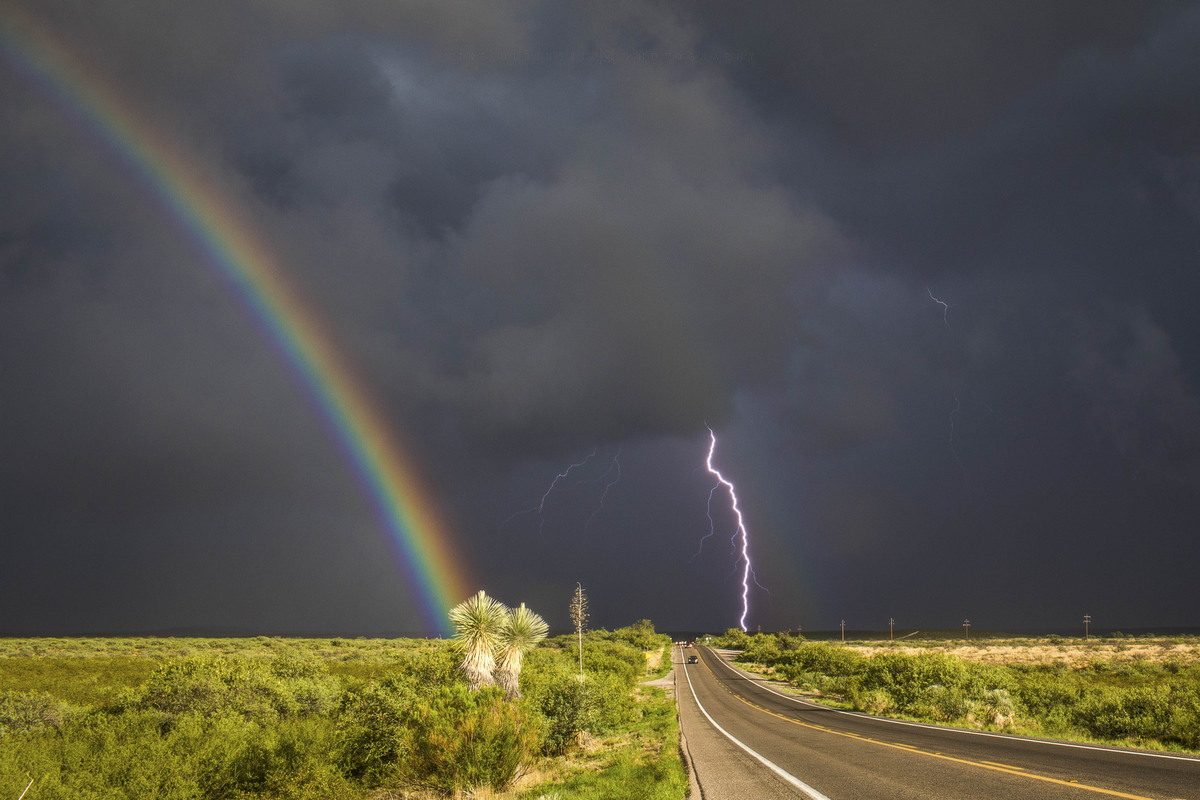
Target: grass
(1045, 650)
(79, 681)
(641, 763)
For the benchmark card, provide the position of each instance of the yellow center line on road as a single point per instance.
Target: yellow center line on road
(989, 765)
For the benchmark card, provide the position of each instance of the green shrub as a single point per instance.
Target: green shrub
(214, 686)
(872, 701)
(733, 639)
(996, 709)
(641, 635)
(21, 712)
(129, 755)
(460, 740)
(289, 760)
(610, 701)
(940, 703)
(565, 703)
(615, 658)
(600, 703)
(822, 659)
(371, 732)
(761, 649)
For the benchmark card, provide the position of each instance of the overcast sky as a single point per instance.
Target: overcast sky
(929, 270)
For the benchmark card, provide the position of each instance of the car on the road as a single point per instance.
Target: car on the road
(691, 659)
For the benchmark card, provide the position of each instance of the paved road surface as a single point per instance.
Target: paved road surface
(786, 748)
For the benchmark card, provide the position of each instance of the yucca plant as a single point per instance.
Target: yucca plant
(478, 622)
(522, 630)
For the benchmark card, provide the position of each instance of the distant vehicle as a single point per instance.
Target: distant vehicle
(691, 659)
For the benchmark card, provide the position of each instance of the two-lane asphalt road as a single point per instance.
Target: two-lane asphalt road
(748, 741)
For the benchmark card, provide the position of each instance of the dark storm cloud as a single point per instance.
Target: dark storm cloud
(878, 74)
(1140, 399)
(533, 229)
(587, 244)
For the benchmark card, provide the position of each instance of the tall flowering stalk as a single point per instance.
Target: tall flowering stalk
(579, 618)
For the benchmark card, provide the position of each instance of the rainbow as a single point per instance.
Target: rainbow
(209, 219)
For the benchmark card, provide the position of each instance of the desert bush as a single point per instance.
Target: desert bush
(371, 733)
(641, 635)
(821, 659)
(288, 760)
(610, 701)
(108, 756)
(646, 766)
(213, 686)
(996, 709)
(873, 701)
(1166, 712)
(570, 707)
(22, 712)
(790, 641)
(462, 740)
(762, 648)
(564, 702)
(616, 658)
(940, 703)
(733, 639)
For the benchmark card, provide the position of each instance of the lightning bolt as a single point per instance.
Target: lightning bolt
(712, 525)
(741, 537)
(540, 508)
(615, 464)
(945, 307)
(957, 403)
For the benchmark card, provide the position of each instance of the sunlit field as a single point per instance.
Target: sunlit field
(331, 718)
(1142, 692)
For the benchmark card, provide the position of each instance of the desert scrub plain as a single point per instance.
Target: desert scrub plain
(1142, 692)
(361, 719)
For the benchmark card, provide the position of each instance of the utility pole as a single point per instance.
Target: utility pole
(1087, 619)
(843, 631)
(967, 628)
(891, 629)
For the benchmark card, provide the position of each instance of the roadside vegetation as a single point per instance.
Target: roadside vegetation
(1099, 690)
(336, 718)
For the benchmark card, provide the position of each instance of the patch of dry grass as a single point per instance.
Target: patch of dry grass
(1068, 652)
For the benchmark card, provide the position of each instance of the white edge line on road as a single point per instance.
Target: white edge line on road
(778, 770)
(1028, 739)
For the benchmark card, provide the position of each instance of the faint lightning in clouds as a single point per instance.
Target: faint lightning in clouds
(613, 466)
(540, 508)
(741, 537)
(957, 403)
(945, 307)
